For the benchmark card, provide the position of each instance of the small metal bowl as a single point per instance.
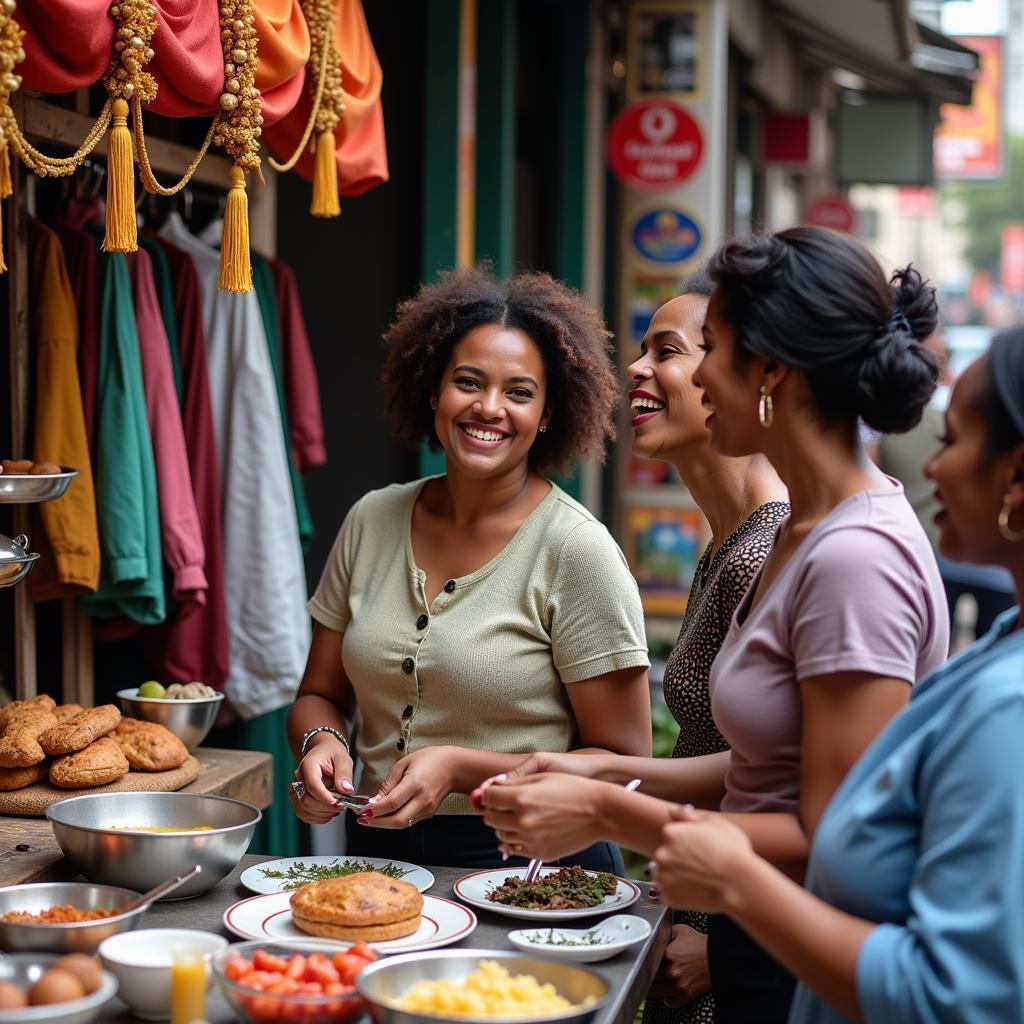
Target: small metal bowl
(80, 937)
(22, 488)
(190, 719)
(15, 560)
(84, 828)
(24, 969)
(390, 979)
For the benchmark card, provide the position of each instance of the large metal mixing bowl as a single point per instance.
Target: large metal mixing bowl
(189, 720)
(391, 978)
(79, 937)
(84, 827)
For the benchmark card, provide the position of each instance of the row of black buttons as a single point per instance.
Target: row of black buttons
(409, 666)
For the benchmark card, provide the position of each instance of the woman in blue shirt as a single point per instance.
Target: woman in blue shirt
(914, 902)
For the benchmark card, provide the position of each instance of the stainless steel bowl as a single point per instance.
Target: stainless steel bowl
(190, 720)
(24, 969)
(391, 978)
(19, 488)
(15, 560)
(82, 937)
(83, 827)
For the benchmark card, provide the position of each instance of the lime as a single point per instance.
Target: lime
(152, 689)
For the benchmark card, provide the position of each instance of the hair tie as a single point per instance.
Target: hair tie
(898, 322)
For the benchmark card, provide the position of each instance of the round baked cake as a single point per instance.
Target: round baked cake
(366, 905)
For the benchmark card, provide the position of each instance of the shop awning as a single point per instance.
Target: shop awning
(880, 42)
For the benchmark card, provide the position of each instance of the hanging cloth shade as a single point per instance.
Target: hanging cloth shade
(360, 154)
(284, 50)
(68, 43)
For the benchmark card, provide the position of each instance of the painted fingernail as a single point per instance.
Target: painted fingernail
(346, 785)
(367, 812)
(363, 820)
(373, 799)
(504, 853)
(476, 798)
(503, 777)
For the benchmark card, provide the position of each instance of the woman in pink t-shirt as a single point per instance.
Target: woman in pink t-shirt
(804, 337)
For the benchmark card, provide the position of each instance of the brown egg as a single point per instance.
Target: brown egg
(55, 986)
(11, 997)
(84, 968)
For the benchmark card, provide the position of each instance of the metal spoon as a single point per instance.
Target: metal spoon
(533, 868)
(159, 890)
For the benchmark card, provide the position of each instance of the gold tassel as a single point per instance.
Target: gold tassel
(3, 262)
(235, 268)
(6, 185)
(325, 178)
(122, 227)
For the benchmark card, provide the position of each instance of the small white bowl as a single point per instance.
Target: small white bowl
(605, 940)
(141, 961)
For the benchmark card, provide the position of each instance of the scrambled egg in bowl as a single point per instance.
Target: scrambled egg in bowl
(490, 991)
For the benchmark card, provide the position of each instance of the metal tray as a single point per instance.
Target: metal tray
(23, 488)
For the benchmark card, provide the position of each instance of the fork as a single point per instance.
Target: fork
(533, 868)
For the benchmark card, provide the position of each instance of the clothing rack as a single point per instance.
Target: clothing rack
(46, 122)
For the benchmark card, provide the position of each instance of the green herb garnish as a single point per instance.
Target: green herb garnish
(301, 873)
(591, 938)
(569, 888)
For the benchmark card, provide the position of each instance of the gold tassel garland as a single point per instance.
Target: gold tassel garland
(235, 265)
(11, 54)
(325, 178)
(6, 185)
(121, 233)
(238, 131)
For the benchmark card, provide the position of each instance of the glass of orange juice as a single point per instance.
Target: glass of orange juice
(188, 984)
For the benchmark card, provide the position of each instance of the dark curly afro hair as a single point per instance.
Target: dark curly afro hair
(582, 391)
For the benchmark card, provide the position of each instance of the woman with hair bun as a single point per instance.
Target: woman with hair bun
(911, 910)
(804, 337)
(474, 617)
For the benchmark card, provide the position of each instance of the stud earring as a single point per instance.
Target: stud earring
(1004, 522)
(765, 408)
(542, 430)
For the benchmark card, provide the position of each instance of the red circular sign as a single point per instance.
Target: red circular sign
(654, 145)
(832, 212)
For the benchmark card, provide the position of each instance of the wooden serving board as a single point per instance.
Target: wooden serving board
(32, 801)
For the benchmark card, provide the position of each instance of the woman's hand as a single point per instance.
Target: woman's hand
(587, 766)
(700, 857)
(683, 974)
(327, 765)
(546, 816)
(413, 789)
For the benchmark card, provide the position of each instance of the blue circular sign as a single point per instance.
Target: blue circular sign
(666, 236)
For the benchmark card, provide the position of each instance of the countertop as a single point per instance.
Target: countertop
(629, 974)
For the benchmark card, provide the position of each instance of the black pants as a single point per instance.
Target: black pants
(458, 841)
(748, 986)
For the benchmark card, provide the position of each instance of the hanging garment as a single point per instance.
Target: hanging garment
(131, 566)
(181, 539)
(301, 387)
(195, 647)
(361, 151)
(67, 541)
(264, 285)
(80, 258)
(165, 296)
(264, 576)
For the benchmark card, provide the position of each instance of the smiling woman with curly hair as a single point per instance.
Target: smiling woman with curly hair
(483, 614)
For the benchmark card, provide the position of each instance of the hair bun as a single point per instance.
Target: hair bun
(895, 382)
(915, 299)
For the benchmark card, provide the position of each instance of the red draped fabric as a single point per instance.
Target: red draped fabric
(360, 147)
(69, 43)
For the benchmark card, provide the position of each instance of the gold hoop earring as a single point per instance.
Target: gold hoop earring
(765, 408)
(1004, 522)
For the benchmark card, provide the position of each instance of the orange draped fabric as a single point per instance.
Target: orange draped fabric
(69, 44)
(360, 148)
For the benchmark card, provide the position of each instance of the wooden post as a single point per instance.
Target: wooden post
(16, 242)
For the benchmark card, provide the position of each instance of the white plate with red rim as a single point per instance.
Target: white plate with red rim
(474, 888)
(255, 879)
(269, 916)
